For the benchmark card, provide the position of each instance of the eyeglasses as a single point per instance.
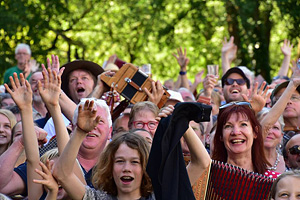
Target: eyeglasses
(230, 81)
(295, 150)
(239, 103)
(293, 98)
(151, 125)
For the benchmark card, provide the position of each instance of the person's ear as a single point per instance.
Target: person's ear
(255, 131)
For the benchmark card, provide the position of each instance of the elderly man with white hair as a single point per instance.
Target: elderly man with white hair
(22, 55)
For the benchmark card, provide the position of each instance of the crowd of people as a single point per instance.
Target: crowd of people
(60, 139)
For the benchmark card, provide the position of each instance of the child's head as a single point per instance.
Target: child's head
(286, 186)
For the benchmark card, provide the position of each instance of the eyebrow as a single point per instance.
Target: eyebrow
(118, 157)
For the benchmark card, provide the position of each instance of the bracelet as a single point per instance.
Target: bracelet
(81, 129)
(182, 72)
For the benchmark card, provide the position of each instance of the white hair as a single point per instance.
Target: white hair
(98, 103)
(23, 46)
(183, 89)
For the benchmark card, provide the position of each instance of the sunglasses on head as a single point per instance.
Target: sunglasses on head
(230, 81)
(295, 150)
(239, 103)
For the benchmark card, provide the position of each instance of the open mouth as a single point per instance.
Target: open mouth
(127, 179)
(80, 90)
(237, 141)
(235, 91)
(2, 136)
(91, 135)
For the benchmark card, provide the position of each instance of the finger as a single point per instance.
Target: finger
(147, 92)
(175, 55)
(41, 173)
(245, 98)
(54, 76)
(46, 79)
(86, 105)
(28, 86)
(154, 89)
(91, 105)
(255, 88)
(262, 87)
(50, 75)
(53, 60)
(16, 80)
(268, 95)
(61, 71)
(225, 40)
(39, 181)
(97, 119)
(22, 79)
(57, 62)
(48, 63)
(7, 88)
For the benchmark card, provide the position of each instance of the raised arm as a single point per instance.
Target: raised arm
(50, 93)
(198, 80)
(183, 61)
(229, 50)
(286, 50)
(273, 115)
(200, 158)
(67, 105)
(87, 120)
(22, 95)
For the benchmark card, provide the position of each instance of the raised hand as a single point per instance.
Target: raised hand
(286, 48)
(198, 77)
(156, 94)
(209, 83)
(259, 97)
(50, 91)
(87, 116)
(21, 91)
(182, 60)
(229, 49)
(48, 180)
(165, 112)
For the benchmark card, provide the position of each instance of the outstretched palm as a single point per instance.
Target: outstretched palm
(51, 89)
(87, 116)
(21, 91)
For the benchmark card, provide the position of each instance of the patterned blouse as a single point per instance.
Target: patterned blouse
(91, 193)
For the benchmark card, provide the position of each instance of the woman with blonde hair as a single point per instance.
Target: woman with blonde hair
(7, 122)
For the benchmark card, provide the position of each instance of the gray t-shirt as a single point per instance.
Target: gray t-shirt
(91, 193)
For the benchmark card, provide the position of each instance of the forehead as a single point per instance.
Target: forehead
(235, 76)
(101, 112)
(294, 141)
(4, 118)
(22, 50)
(144, 113)
(235, 117)
(80, 72)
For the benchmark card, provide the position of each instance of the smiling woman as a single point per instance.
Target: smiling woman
(239, 138)
(7, 122)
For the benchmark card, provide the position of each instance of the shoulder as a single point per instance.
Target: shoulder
(91, 193)
(271, 174)
(151, 197)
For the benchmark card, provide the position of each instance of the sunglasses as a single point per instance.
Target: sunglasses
(230, 81)
(239, 103)
(295, 150)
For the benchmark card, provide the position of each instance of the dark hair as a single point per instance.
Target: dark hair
(259, 160)
(102, 172)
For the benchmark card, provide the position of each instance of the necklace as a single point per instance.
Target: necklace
(274, 167)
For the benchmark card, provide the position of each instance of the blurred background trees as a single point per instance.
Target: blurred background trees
(149, 31)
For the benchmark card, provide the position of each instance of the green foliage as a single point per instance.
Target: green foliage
(149, 31)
